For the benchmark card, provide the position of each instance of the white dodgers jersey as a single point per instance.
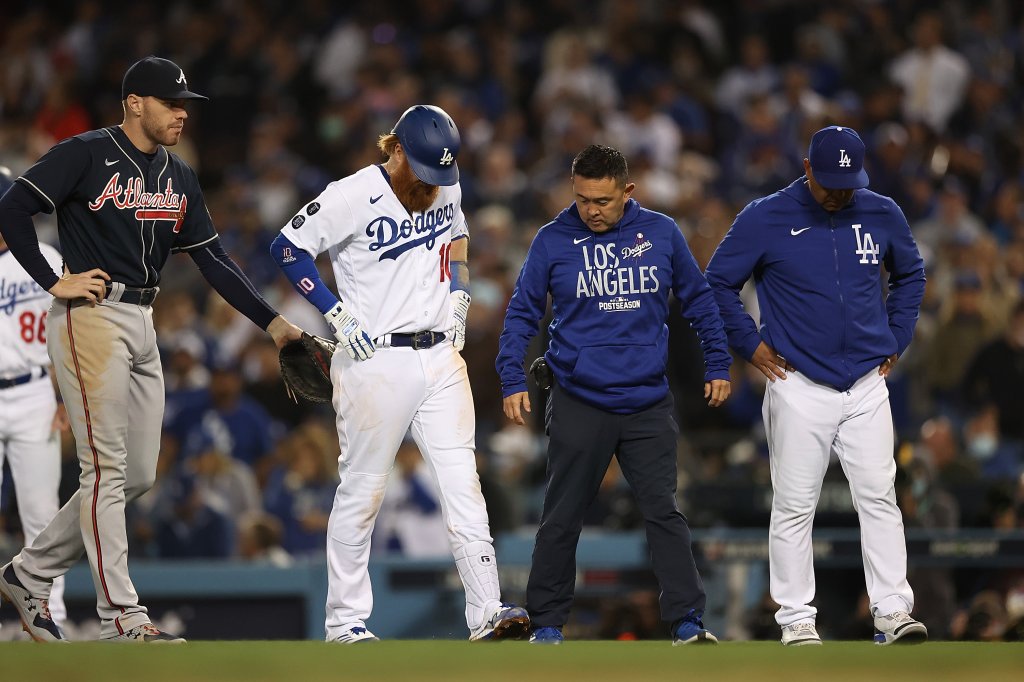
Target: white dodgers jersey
(23, 308)
(391, 266)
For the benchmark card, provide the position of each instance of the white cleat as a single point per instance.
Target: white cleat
(356, 635)
(800, 634)
(508, 622)
(899, 628)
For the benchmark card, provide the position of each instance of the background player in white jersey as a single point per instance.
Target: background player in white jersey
(391, 231)
(30, 417)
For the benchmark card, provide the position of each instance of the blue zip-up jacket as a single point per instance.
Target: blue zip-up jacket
(818, 279)
(609, 292)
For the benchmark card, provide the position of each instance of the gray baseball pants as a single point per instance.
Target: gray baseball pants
(108, 368)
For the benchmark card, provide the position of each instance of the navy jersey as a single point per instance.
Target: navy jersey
(119, 209)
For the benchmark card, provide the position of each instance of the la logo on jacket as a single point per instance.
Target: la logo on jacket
(866, 246)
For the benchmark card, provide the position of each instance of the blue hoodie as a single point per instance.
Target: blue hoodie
(609, 340)
(818, 279)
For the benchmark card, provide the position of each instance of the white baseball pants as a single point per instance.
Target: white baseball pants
(376, 401)
(32, 449)
(805, 422)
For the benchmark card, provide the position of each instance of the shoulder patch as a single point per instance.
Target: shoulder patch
(312, 208)
(297, 221)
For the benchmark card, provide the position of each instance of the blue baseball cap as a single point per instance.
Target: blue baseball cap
(837, 158)
(431, 142)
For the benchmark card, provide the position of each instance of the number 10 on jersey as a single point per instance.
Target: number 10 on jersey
(444, 254)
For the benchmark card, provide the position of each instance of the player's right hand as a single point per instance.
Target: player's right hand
(91, 285)
(771, 364)
(350, 334)
(514, 406)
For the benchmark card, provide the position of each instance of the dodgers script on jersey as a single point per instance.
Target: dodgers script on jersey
(23, 308)
(391, 267)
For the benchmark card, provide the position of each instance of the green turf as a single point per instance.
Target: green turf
(518, 661)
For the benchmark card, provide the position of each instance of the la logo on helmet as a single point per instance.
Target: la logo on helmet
(844, 159)
(446, 158)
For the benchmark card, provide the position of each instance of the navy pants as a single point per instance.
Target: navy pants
(582, 442)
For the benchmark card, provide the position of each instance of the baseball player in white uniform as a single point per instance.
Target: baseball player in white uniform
(30, 418)
(397, 239)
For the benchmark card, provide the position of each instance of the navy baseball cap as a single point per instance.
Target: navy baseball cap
(156, 77)
(431, 142)
(837, 158)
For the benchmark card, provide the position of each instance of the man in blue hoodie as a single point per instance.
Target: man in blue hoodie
(609, 266)
(827, 340)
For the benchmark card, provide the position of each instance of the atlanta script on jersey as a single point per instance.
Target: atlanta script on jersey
(391, 267)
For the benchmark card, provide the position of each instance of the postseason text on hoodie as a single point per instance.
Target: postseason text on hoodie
(818, 279)
(610, 293)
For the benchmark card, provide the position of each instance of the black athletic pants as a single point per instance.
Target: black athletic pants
(582, 442)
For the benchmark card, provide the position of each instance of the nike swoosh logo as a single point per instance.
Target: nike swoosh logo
(109, 162)
(795, 231)
(374, 200)
(580, 241)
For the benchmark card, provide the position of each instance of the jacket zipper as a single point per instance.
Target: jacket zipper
(842, 300)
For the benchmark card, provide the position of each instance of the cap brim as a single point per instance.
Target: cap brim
(842, 180)
(435, 176)
(185, 94)
(180, 94)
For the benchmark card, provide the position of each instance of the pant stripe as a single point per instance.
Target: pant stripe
(96, 469)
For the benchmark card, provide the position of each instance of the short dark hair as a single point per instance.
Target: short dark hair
(598, 161)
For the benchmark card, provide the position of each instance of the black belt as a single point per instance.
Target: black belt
(417, 341)
(23, 379)
(134, 295)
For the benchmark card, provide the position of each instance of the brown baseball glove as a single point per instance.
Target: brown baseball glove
(306, 368)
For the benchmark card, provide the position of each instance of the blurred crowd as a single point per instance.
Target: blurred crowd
(713, 104)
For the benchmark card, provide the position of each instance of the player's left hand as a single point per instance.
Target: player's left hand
(717, 391)
(460, 310)
(60, 419)
(283, 331)
(516, 405)
(887, 366)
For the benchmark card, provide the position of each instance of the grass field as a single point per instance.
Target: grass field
(508, 661)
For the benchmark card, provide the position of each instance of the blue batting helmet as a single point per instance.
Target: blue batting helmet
(431, 142)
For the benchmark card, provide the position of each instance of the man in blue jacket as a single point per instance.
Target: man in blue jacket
(609, 266)
(827, 341)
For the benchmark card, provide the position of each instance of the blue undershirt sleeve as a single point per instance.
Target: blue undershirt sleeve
(300, 269)
(228, 280)
(18, 206)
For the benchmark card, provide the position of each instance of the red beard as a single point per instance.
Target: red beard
(415, 195)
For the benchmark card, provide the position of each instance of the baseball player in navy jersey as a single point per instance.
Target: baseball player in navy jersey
(609, 266)
(827, 341)
(31, 419)
(397, 239)
(123, 204)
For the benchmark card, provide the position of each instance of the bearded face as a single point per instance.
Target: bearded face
(416, 195)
